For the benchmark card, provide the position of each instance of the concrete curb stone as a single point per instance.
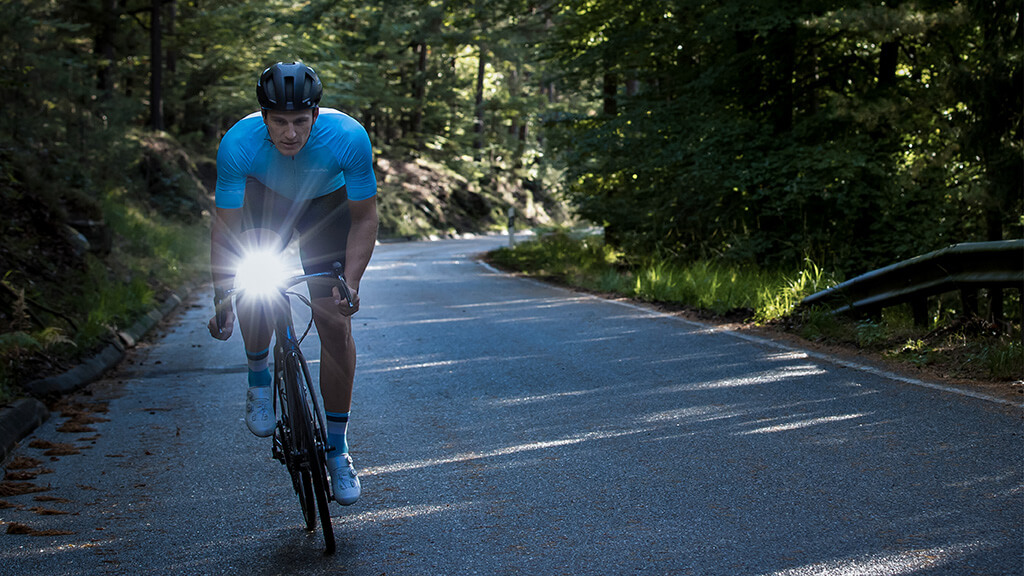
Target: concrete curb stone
(17, 420)
(21, 417)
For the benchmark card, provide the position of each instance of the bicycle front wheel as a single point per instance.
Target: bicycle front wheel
(318, 459)
(310, 428)
(297, 445)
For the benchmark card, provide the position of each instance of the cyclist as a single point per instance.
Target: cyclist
(294, 166)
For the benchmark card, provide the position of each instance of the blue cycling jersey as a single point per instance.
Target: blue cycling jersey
(338, 153)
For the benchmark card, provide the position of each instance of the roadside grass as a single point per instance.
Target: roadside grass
(953, 345)
(68, 294)
(586, 262)
(150, 255)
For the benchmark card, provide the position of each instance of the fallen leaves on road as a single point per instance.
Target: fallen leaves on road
(80, 415)
(57, 499)
(19, 488)
(73, 427)
(23, 463)
(17, 475)
(47, 511)
(22, 468)
(71, 408)
(54, 448)
(19, 528)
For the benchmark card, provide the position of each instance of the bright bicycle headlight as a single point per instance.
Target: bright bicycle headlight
(260, 274)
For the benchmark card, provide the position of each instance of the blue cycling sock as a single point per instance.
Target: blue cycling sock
(259, 373)
(258, 361)
(259, 379)
(337, 433)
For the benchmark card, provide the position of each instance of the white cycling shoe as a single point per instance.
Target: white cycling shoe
(344, 480)
(259, 410)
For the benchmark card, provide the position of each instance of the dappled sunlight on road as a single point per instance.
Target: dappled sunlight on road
(402, 365)
(889, 564)
(777, 375)
(506, 451)
(381, 325)
(541, 303)
(95, 545)
(693, 414)
(404, 512)
(803, 424)
(545, 397)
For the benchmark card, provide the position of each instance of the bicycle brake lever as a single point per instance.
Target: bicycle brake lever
(344, 284)
(221, 311)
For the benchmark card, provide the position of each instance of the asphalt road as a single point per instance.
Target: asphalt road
(503, 426)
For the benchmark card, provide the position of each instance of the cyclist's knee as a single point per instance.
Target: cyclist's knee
(330, 323)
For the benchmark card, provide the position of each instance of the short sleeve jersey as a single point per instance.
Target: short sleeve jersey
(338, 153)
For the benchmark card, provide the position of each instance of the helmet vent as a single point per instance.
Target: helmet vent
(289, 91)
(292, 86)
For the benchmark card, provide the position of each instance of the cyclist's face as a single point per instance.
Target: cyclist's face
(289, 130)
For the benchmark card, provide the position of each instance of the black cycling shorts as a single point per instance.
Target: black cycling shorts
(322, 223)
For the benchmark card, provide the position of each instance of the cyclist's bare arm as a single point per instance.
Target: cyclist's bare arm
(361, 239)
(224, 235)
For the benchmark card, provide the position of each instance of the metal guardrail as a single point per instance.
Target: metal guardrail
(966, 267)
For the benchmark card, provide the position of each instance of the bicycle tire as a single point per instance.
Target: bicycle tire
(283, 447)
(317, 434)
(299, 417)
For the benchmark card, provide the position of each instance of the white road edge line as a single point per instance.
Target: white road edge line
(773, 344)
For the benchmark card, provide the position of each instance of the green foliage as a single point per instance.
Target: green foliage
(716, 143)
(779, 298)
(590, 263)
(853, 134)
(870, 333)
(560, 255)
(818, 324)
(1004, 360)
(956, 345)
(99, 218)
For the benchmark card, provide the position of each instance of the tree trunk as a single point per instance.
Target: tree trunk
(156, 105)
(887, 62)
(419, 87)
(104, 46)
(478, 122)
(609, 88)
(170, 113)
(784, 49)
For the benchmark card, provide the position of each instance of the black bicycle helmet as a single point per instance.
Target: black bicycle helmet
(289, 86)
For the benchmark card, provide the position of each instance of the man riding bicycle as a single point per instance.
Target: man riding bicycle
(296, 166)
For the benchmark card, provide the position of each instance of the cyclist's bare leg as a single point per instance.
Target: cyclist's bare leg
(255, 325)
(337, 368)
(337, 355)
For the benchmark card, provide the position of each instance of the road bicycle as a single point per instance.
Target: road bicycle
(300, 436)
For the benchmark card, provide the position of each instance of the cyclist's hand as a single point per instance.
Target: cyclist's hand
(224, 332)
(343, 304)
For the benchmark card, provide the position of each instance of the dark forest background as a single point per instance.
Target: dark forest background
(848, 133)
